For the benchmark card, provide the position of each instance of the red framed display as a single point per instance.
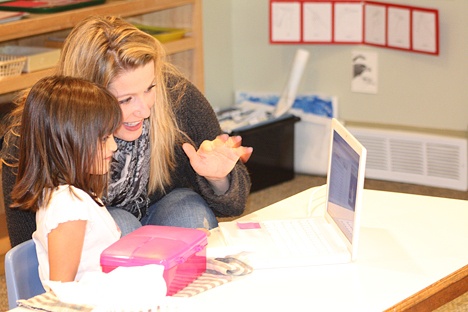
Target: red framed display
(401, 27)
(380, 24)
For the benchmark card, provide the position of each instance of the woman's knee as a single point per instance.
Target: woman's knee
(126, 221)
(184, 208)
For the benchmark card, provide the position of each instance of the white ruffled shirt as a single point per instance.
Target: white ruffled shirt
(101, 229)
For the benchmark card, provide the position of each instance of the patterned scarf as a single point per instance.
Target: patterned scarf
(130, 175)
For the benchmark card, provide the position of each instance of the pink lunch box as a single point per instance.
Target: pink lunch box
(181, 251)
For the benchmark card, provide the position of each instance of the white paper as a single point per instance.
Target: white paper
(424, 31)
(375, 24)
(348, 22)
(285, 21)
(399, 28)
(289, 93)
(245, 113)
(317, 22)
(364, 72)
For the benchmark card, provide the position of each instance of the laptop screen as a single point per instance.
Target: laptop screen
(343, 178)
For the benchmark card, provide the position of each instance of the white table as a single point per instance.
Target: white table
(408, 242)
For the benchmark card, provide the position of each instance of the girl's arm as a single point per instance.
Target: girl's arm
(65, 244)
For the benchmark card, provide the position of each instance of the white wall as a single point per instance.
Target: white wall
(414, 89)
(218, 58)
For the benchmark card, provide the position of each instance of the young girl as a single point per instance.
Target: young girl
(65, 149)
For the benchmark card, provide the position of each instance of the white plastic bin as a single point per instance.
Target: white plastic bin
(312, 132)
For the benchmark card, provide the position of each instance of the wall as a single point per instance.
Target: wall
(218, 58)
(413, 89)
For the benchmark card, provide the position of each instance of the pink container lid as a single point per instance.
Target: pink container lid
(152, 244)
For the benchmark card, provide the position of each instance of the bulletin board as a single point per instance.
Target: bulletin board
(386, 25)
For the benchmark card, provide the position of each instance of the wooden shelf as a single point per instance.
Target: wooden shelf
(37, 25)
(12, 84)
(180, 45)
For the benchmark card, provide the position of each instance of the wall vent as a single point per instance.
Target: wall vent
(411, 157)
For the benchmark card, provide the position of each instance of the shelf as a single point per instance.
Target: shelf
(37, 25)
(181, 45)
(16, 83)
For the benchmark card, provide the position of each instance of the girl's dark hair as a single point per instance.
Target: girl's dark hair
(64, 120)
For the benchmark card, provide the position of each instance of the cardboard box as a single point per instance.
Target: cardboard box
(272, 161)
(181, 251)
(38, 58)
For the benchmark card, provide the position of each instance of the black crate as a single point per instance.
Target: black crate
(272, 161)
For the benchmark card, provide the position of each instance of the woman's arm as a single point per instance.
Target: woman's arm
(197, 119)
(65, 244)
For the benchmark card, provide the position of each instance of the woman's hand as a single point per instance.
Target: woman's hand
(215, 159)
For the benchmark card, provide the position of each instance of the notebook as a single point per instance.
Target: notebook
(332, 222)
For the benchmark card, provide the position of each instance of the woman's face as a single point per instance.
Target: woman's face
(136, 94)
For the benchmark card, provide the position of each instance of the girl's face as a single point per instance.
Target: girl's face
(136, 94)
(107, 146)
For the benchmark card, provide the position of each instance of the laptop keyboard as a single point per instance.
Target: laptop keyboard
(298, 237)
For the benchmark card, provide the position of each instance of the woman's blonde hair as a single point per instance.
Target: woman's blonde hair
(101, 48)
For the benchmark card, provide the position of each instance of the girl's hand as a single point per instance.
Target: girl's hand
(207, 232)
(215, 159)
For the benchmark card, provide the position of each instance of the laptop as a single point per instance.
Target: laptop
(331, 226)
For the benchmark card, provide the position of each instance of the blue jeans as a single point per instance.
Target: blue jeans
(182, 207)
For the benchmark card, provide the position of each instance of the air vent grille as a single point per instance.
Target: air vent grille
(412, 157)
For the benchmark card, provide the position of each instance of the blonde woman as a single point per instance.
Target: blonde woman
(173, 166)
